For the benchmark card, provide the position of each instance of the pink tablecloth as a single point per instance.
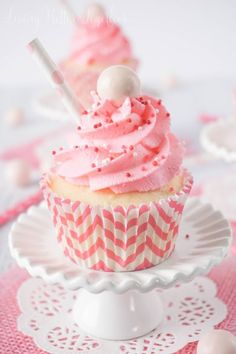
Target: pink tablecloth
(14, 342)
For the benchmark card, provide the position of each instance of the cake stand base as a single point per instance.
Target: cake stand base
(118, 316)
(121, 305)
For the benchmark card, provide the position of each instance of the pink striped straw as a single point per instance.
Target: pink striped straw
(13, 212)
(55, 77)
(69, 11)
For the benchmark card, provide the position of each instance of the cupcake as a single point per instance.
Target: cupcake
(117, 196)
(97, 44)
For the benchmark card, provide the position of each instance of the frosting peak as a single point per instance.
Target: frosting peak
(124, 147)
(100, 42)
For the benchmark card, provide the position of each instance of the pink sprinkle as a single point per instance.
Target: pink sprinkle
(85, 112)
(53, 152)
(131, 147)
(129, 120)
(96, 149)
(79, 127)
(109, 121)
(61, 148)
(159, 102)
(128, 174)
(86, 146)
(123, 147)
(187, 236)
(155, 163)
(99, 124)
(93, 165)
(99, 169)
(95, 126)
(111, 158)
(167, 114)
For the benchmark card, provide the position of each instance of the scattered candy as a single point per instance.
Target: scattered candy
(14, 116)
(18, 173)
(117, 82)
(217, 342)
(207, 118)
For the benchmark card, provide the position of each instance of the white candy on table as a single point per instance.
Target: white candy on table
(117, 82)
(217, 342)
(14, 116)
(18, 173)
(94, 12)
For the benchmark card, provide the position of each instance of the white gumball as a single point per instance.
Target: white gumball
(118, 82)
(94, 12)
(14, 116)
(217, 342)
(18, 173)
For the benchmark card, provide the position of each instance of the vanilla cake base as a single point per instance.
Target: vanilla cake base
(106, 197)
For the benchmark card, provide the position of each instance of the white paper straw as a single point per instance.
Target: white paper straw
(69, 11)
(55, 77)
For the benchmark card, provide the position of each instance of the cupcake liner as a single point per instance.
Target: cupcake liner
(117, 238)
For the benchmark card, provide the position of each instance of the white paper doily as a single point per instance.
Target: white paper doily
(190, 310)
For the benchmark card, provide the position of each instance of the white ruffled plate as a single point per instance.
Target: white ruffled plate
(204, 240)
(218, 138)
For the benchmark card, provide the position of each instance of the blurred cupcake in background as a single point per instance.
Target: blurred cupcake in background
(98, 42)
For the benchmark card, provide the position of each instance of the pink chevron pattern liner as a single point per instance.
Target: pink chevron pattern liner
(117, 238)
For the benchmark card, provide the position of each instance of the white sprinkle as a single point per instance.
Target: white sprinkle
(140, 128)
(135, 154)
(105, 161)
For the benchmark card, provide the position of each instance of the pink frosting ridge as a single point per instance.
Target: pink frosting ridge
(100, 42)
(124, 147)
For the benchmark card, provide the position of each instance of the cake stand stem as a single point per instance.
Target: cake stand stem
(118, 316)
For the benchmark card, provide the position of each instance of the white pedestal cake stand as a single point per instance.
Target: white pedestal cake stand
(120, 306)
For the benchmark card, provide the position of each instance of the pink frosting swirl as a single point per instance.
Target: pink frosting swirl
(100, 42)
(125, 147)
